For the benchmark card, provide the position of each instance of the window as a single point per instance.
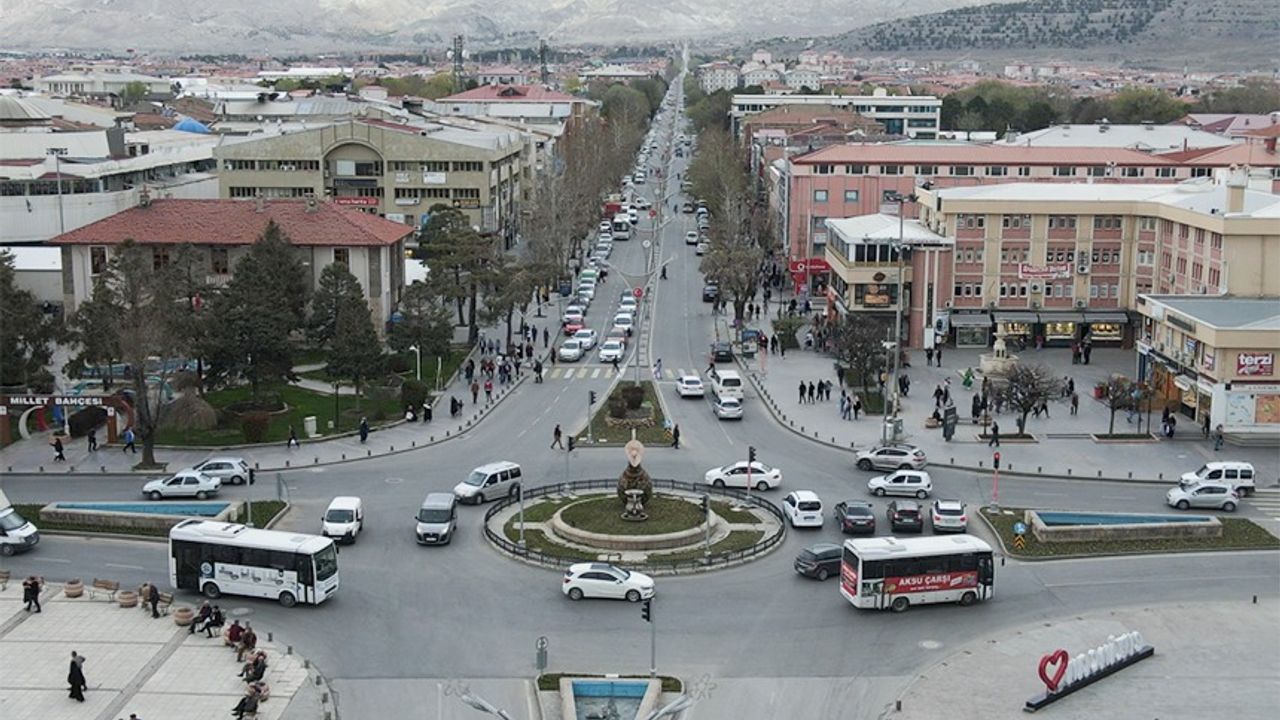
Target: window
(468, 167)
(1197, 172)
(1197, 269)
(850, 170)
(823, 169)
(961, 170)
(1146, 257)
(889, 196)
(851, 196)
(890, 169)
(997, 170)
(1106, 222)
(1022, 290)
(1214, 277)
(1199, 236)
(1166, 172)
(971, 221)
(820, 196)
(97, 259)
(1147, 223)
(342, 256)
(437, 166)
(1131, 172)
(1016, 222)
(1064, 171)
(1182, 266)
(1215, 241)
(1097, 171)
(400, 166)
(219, 262)
(1062, 222)
(159, 256)
(1093, 291)
(926, 169)
(1024, 171)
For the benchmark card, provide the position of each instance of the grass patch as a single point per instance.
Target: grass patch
(536, 512)
(655, 434)
(302, 403)
(263, 512)
(536, 540)
(451, 363)
(733, 542)
(604, 515)
(1237, 534)
(728, 514)
(550, 682)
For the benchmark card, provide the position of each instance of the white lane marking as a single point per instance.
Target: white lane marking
(52, 560)
(124, 567)
(1180, 579)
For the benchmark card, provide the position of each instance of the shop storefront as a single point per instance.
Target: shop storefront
(1105, 328)
(1016, 326)
(970, 330)
(1060, 329)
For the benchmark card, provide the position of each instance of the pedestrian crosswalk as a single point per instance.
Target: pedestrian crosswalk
(1267, 501)
(592, 371)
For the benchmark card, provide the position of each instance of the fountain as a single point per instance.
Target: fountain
(998, 361)
(634, 486)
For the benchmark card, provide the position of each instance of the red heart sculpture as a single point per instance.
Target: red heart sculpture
(1059, 658)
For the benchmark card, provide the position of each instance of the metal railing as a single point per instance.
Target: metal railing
(701, 562)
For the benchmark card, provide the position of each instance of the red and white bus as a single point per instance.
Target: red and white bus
(895, 573)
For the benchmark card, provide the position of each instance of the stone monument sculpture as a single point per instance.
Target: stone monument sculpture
(634, 486)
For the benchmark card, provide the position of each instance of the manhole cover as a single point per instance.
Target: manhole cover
(240, 612)
(930, 644)
(394, 481)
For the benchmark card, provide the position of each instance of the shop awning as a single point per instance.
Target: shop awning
(1106, 317)
(970, 320)
(1183, 383)
(1018, 317)
(1063, 317)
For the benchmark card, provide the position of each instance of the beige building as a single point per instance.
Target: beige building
(397, 170)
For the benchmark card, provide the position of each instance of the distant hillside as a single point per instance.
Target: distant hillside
(1160, 32)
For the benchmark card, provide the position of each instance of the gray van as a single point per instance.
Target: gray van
(437, 519)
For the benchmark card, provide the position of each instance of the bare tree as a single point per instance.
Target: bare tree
(1117, 395)
(859, 344)
(1025, 387)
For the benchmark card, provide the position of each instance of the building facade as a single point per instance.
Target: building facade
(718, 75)
(914, 116)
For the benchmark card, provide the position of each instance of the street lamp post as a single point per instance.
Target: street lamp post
(57, 153)
(417, 354)
(896, 419)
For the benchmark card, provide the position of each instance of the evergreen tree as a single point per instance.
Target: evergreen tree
(424, 321)
(92, 331)
(461, 261)
(354, 352)
(26, 334)
(337, 286)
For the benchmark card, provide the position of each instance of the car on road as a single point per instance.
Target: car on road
(727, 408)
(602, 580)
(691, 237)
(571, 327)
(624, 321)
(690, 386)
(762, 477)
(1208, 494)
(912, 483)
(638, 178)
(626, 180)
(587, 290)
(628, 304)
(819, 561)
(230, 470)
(573, 313)
(905, 516)
(892, 457)
(186, 483)
(803, 508)
(570, 350)
(606, 228)
(587, 337)
(710, 293)
(612, 350)
(702, 248)
(1239, 475)
(722, 352)
(643, 203)
(343, 519)
(490, 482)
(855, 517)
(948, 516)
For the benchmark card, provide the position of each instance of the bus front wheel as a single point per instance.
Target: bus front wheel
(211, 591)
(968, 599)
(899, 604)
(288, 600)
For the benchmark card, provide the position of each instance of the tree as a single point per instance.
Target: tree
(1025, 387)
(337, 287)
(461, 260)
(1254, 95)
(251, 321)
(1141, 104)
(26, 334)
(134, 91)
(858, 344)
(354, 352)
(91, 331)
(737, 251)
(1117, 394)
(424, 322)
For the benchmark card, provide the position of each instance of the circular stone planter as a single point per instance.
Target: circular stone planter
(127, 599)
(183, 616)
(661, 541)
(73, 588)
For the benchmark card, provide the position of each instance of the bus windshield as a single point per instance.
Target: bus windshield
(326, 563)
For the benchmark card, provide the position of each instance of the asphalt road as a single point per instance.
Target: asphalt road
(406, 611)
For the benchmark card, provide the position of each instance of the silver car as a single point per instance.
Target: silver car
(1213, 495)
(892, 457)
(230, 470)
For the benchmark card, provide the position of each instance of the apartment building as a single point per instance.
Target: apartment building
(397, 170)
(718, 75)
(914, 116)
(529, 104)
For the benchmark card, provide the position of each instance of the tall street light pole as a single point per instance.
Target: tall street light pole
(896, 419)
(57, 153)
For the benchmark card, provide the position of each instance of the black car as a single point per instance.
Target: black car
(855, 517)
(819, 561)
(722, 352)
(710, 293)
(906, 516)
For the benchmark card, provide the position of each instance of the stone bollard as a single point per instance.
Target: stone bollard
(1068, 471)
(1039, 469)
(344, 456)
(102, 468)
(286, 463)
(368, 453)
(413, 443)
(315, 461)
(393, 449)
(1099, 473)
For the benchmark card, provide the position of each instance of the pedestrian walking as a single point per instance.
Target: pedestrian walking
(1075, 403)
(675, 436)
(58, 455)
(93, 440)
(782, 349)
(75, 677)
(975, 408)
(475, 392)
(546, 338)
(840, 376)
(928, 356)
(293, 438)
(364, 430)
(937, 352)
(129, 438)
(1088, 350)
(773, 345)
(1218, 439)
(813, 392)
(995, 435)
(657, 369)
(31, 592)
(937, 396)
(153, 599)
(488, 391)
(803, 388)
(537, 371)
(555, 438)
(857, 406)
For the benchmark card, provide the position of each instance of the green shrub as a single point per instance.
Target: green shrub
(413, 393)
(633, 396)
(617, 408)
(398, 363)
(254, 426)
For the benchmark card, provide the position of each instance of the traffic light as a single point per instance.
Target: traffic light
(995, 460)
(646, 610)
(570, 444)
(706, 504)
(591, 397)
(751, 453)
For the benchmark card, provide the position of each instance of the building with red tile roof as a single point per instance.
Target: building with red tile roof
(531, 104)
(221, 231)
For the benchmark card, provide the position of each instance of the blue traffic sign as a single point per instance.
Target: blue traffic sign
(1019, 528)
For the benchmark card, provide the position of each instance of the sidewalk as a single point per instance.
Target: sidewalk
(1230, 672)
(133, 664)
(1064, 444)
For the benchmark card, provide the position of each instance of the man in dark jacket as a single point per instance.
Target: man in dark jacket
(75, 677)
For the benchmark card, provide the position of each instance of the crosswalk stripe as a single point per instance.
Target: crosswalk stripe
(582, 373)
(596, 373)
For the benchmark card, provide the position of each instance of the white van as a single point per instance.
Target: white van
(16, 534)
(344, 519)
(436, 519)
(726, 384)
(489, 482)
(1239, 475)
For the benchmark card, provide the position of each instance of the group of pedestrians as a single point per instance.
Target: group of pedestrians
(850, 405)
(812, 392)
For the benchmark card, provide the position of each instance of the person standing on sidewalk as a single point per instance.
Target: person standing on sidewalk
(938, 352)
(857, 406)
(153, 599)
(31, 592)
(995, 435)
(364, 430)
(1218, 439)
(293, 438)
(75, 677)
(555, 438)
(93, 440)
(928, 357)
(1075, 403)
(675, 436)
(475, 392)
(802, 392)
(128, 441)
(58, 455)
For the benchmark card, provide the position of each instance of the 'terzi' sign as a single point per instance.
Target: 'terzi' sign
(1255, 363)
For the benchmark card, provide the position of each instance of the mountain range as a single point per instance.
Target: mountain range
(283, 26)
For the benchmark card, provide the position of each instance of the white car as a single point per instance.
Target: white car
(633, 216)
(572, 314)
(909, 483)
(702, 248)
(691, 237)
(187, 483)
(643, 203)
(230, 470)
(949, 516)
(612, 350)
(639, 178)
(570, 350)
(602, 580)
(606, 228)
(587, 337)
(803, 508)
(587, 290)
(624, 322)
(690, 386)
(627, 304)
(763, 477)
(626, 181)
(727, 408)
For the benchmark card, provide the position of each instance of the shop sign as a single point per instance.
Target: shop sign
(84, 400)
(433, 178)
(356, 201)
(1210, 359)
(402, 177)
(875, 295)
(1252, 364)
(819, 265)
(1052, 271)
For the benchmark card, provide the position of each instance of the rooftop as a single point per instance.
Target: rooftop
(237, 222)
(1224, 312)
(950, 153)
(880, 228)
(1201, 195)
(1147, 137)
(510, 93)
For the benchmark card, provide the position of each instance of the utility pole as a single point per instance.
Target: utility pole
(542, 61)
(57, 153)
(591, 401)
(456, 54)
